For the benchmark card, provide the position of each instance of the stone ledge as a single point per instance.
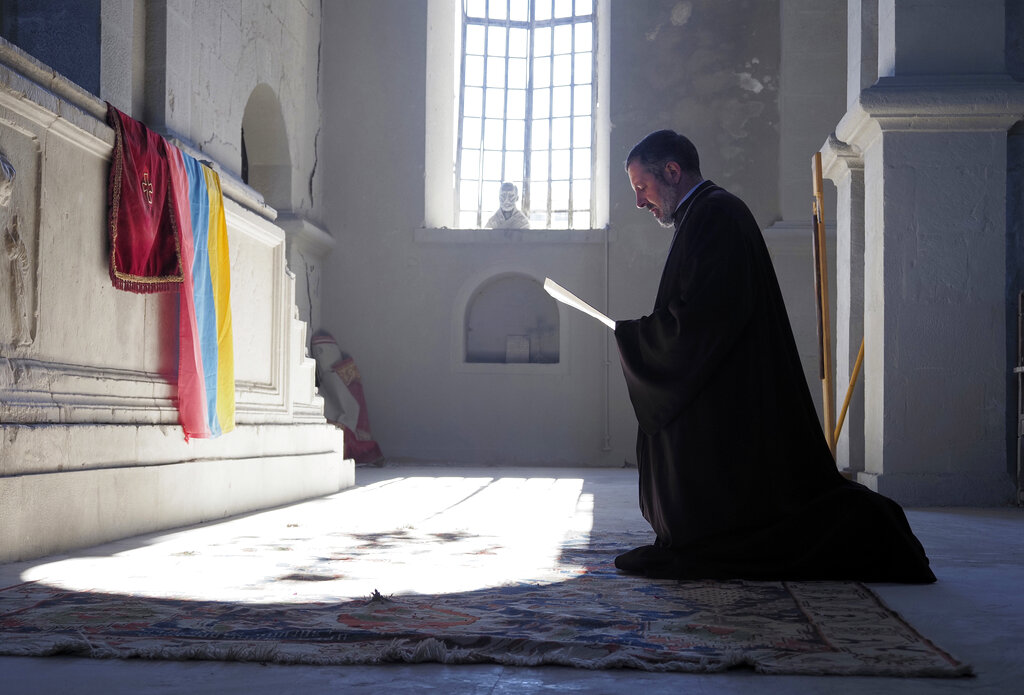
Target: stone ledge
(306, 233)
(447, 235)
(55, 512)
(55, 448)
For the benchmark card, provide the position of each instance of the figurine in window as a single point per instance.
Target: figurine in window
(508, 215)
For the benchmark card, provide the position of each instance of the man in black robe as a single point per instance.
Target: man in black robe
(736, 478)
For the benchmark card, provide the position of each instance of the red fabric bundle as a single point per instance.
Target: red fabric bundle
(145, 255)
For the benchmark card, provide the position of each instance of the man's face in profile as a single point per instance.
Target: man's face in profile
(652, 193)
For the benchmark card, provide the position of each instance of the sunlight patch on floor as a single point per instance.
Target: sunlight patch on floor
(398, 536)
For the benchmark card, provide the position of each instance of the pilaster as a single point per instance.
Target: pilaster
(935, 158)
(862, 46)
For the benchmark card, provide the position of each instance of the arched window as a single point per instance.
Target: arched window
(526, 109)
(514, 94)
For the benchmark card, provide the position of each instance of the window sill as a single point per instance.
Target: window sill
(445, 235)
(511, 368)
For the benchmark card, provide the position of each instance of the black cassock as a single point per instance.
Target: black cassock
(736, 477)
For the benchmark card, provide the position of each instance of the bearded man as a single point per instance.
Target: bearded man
(735, 475)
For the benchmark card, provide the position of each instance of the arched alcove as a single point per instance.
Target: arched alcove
(267, 165)
(510, 319)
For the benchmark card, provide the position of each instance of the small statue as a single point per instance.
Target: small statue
(341, 387)
(508, 215)
(7, 174)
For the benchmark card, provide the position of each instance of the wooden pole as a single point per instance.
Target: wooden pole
(849, 391)
(828, 406)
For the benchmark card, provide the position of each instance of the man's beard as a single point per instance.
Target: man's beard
(665, 195)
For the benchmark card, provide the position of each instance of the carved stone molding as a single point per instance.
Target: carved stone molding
(19, 236)
(925, 103)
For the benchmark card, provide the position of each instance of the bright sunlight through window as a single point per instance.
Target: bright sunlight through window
(526, 110)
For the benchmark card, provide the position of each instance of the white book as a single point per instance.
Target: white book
(566, 297)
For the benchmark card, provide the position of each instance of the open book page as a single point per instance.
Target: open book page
(566, 297)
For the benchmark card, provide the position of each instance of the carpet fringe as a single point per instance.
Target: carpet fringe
(434, 650)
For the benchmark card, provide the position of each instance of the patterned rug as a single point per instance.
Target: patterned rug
(588, 616)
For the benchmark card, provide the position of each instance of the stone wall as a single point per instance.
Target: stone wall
(90, 448)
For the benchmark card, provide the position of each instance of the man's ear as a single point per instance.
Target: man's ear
(673, 172)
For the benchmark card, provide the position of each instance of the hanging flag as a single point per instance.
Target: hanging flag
(194, 212)
(144, 253)
(206, 369)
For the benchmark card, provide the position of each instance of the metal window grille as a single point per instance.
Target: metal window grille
(526, 108)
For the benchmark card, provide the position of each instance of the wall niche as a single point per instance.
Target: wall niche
(510, 319)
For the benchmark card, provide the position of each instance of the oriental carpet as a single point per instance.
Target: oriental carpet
(297, 606)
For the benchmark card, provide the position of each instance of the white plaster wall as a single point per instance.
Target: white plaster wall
(811, 98)
(218, 53)
(693, 66)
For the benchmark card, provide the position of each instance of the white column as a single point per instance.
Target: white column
(932, 131)
(861, 47)
(117, 52)
(934, 299)
(168, 56)
(941, 37)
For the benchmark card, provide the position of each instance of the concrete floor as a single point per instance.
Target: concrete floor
(975, 612)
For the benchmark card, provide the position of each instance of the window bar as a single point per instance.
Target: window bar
(550, 124)
(504, 110)
(457, 207)
(528, 123)
(572, 116)
(594, 96)
(483, 123)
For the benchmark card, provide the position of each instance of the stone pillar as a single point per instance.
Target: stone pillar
(861, 47)
(934, 297)
(933, 133)
(168, 92)
(941, 37)
(843, 165)
(117, 42)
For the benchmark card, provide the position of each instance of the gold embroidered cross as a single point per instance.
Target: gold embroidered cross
(147, 187)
